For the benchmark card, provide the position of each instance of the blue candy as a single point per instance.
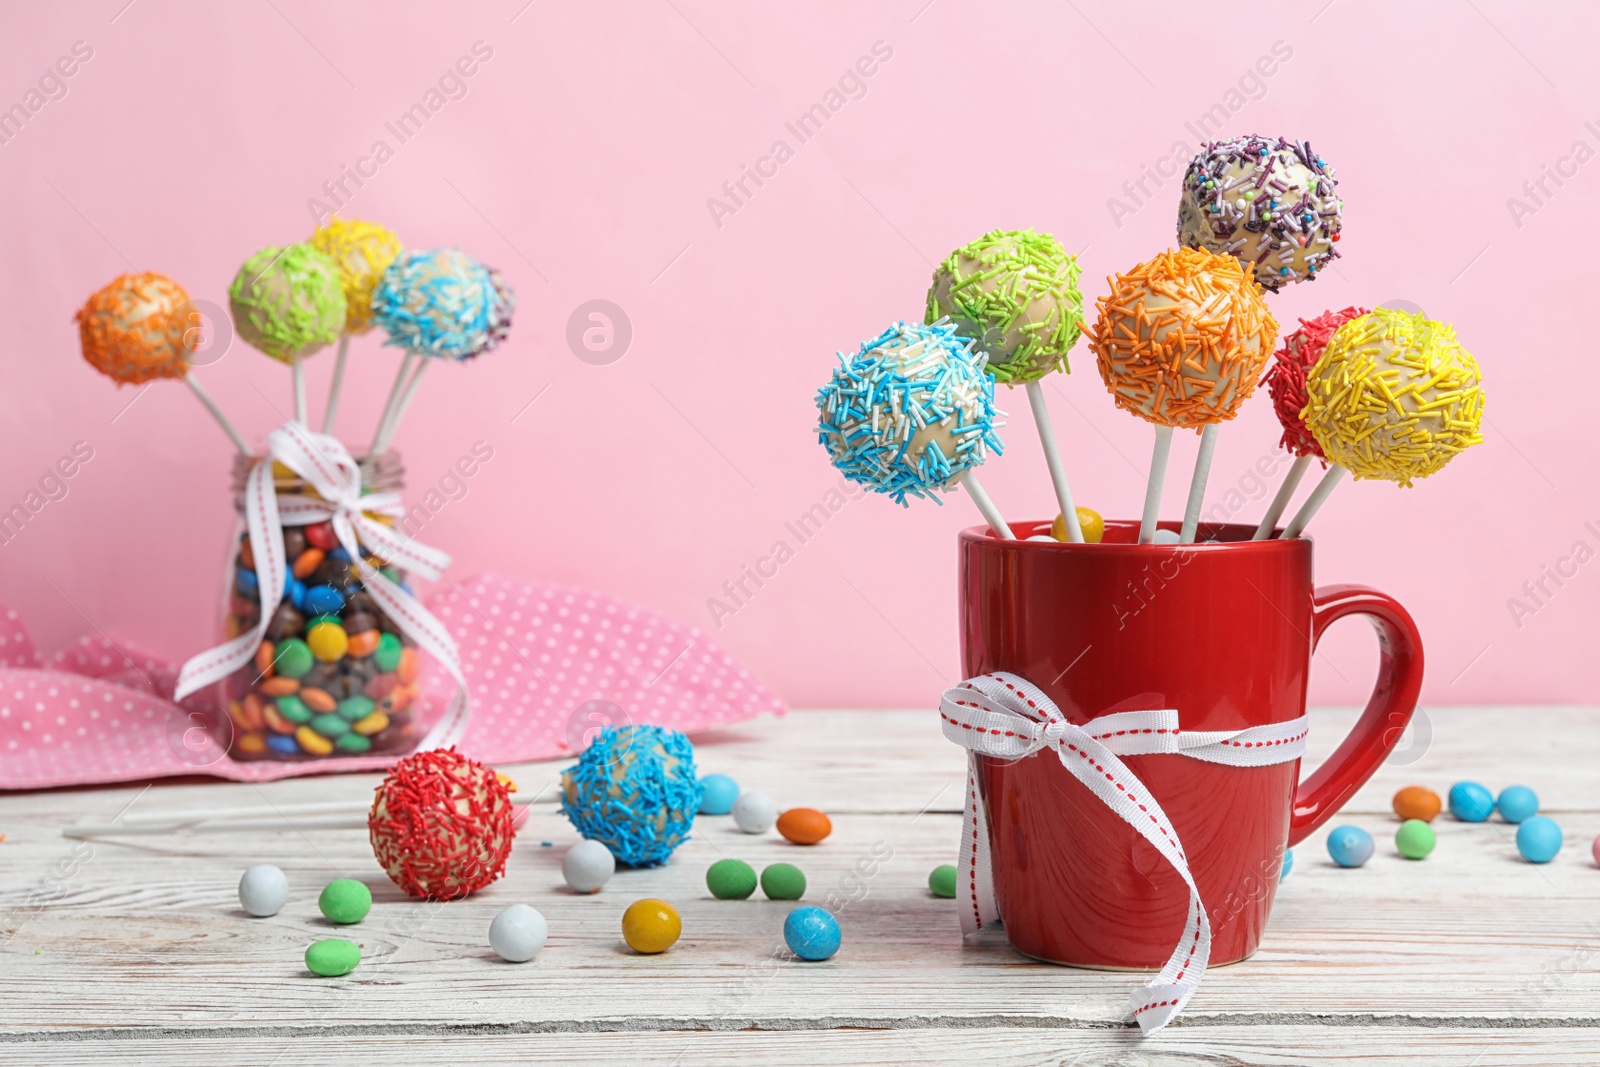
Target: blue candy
(1517, 803)
(282, 744)
(1471, 802)
(1288, 864)
(246, 582)
(811, 933)
(1538, 839)
(296, 590)
(1350, 846)
(720, 793)
(339, 555)
(323, 600)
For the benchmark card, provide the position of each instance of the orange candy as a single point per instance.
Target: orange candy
(407, 671)
(279, 687)
(308, 562)
(1416, 802)
(364, 644)
(265, 657)
(252, 711)
(318, 700)
(804, 826)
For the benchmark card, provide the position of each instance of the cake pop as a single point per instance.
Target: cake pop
(912, 413)
(1015, 296)
(1286, 381)
(635, 791)
(1181, 340)
(1269, 202)
(440, 303)
(361, 251)
(441, 825)
(142, 327)
(1393, 396)
(288, 302)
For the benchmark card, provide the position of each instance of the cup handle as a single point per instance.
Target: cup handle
(1394, 698)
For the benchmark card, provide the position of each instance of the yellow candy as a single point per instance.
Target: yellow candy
(312, 741)
(1089, 521)
(651, 926)
(328, 641)
(371, 724)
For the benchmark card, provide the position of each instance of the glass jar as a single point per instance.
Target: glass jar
(334, 676)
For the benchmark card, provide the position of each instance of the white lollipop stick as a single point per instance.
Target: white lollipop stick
(338, 380)
(991, 514)
(1158, 481)
(1052, 459)
(1291, 482)
(299, 390)
(400, 409)
(216, 413)
(394, 397)
(1197, 484)
(1303, 517)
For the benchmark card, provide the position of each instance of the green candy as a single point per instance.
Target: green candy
(733, 879)
(783, 881)
(293, 658)
(355, 709)
(1415, 839)
(316, 620)
(353, 743)
(345, 901)
(332, 956)
(294, 709)
(330, 726)
(942, 881)
(387, 657)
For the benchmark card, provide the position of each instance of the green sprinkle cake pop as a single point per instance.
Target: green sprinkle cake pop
(288, 302)
(1014, 295)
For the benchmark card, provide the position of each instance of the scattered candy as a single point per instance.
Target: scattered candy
(588, 866)
(717, 794)
(345, 901)
(1538, 839)
(942, 881)
(1014, 295)
(1415, 802)
(1517, 803)
(1167, 537)
(518, 933)
(811, 933)
(1288, 864)
(1415, 839)
(651, 926)
(635, 791)
(1471, 802)
(754, 813)
(441, 825)
(332, 956)
(804, 826)
(1089, 521)
(263, 891)
(783, 881)
(1350, 846)
(731, 879)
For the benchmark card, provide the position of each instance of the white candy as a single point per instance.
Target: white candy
(1166, 537)
(587, 866)
(755, 812)
(263, 890)
(518, 933)
(1041, 537)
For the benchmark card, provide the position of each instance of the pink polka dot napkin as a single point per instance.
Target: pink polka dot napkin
(546, 666)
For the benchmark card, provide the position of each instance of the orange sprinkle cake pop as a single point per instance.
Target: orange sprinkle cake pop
(133, 330)
(1181, 339)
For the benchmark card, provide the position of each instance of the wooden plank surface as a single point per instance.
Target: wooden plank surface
(137, 944)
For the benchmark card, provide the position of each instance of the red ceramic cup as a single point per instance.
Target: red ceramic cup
(1224, 634)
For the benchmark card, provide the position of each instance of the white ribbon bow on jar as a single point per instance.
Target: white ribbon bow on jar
(1007, 717)
(327, 466)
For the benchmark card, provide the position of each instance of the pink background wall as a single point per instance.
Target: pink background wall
(581, 159)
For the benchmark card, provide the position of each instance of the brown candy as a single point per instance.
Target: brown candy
(286, 622)
(294, 541)
(359, 622)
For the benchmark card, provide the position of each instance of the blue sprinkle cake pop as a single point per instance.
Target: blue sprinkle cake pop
(635, 791)
(909, 412)
(442, 303)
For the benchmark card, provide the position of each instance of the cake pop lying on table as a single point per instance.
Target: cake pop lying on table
(288, 303)
(912, 414)
(1181, 340)
(1015, 296)
(1394, 396)
(141, 327)
(1268, 202)
(1286, 381)
(361, 251)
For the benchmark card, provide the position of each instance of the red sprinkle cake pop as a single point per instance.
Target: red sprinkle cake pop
(441, 825)
(1286, 381)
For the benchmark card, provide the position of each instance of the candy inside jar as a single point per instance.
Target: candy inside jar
(333, 675)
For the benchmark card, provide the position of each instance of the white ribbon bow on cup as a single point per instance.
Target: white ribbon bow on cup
(327, 466)
(1007, 717)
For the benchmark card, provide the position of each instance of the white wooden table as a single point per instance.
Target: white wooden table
(135, 950)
